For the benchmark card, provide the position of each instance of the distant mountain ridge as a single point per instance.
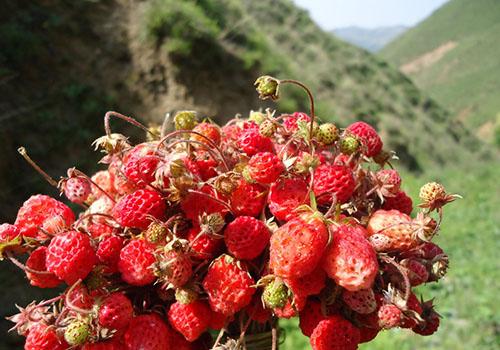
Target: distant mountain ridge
(371, 39)
(454, 57)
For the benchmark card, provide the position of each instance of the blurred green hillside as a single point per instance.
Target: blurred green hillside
(64, 63)
(454, 56)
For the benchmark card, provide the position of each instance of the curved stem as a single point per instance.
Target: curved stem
(69, 303)
(227, 206)
(129, 120)
(86, 216)
(311, 102)
(47, 177)
(402, 270)
(26, 268)
(86, 177)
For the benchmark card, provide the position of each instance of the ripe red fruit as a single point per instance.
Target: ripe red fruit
(203, 246)
(175, 268)
(247, 199)
(105, 181)
(228, 285)
(140, 164)
(137, 209)
(333, 181)
(252, 142)
(361, 301)
(309, 284)
(350, 260)
(38, 209)
(195, 204)
(108, 252)
(389, 316)
(400, 202)
(8, 232)
(246, 237)
(218, 320)
(115, 312)
(136, 262)
(396, 226)
(367, 334)
(202, 165)
(412, 305)
(265, 167)
(70, 256)
(310, 316)
(191, 320)
(42, 337)
(291, 123)
(77, 189)
(210, 131)
(390, 179)
(104, 345)
(148, 332)
(79, 296)
(285, 196)
(297, 246)
(430, 322)
(372, 144)
(37, 262)
(335, 333)
(256, 310)
(417, 272)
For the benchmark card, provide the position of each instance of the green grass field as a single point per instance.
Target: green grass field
(467, 297)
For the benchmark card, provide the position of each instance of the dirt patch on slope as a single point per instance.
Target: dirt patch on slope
(428, 59)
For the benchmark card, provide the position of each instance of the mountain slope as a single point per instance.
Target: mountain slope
(454, 56)
(371, 39)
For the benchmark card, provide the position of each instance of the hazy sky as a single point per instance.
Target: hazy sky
(331, 14)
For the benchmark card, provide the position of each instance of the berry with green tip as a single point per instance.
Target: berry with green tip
(275, 294)
(327, 133)
(349, 145)
(77, 332)
(185, 120)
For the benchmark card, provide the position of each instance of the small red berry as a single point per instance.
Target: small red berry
(137, 209)
(115, 312)
(136, 262)
(246, 237)
(265, 167)
(335, 333)
(285, 196)
(191, 320)
(37, 262)
(148, 332)
(371, 141)
(333, 182)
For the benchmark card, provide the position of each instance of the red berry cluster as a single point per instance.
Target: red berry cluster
(228, 229)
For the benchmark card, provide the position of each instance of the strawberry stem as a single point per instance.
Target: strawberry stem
(129, 120)
(47, 177)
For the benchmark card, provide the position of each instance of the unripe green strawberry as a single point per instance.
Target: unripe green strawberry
(327, 133)
(349, 145)
(155, 233)
(267, 128)
(275, 294)
(185, 120)
(267, 87)
(77, 332)
(185, 295)
(256, 116)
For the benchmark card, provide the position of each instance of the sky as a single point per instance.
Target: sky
(331, 14)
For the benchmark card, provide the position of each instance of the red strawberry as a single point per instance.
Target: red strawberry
(430, 250)
(285, 196)
(8, 232)
(400, 202)
(390, 179)
(203, 246)
(367, 334)
(247, 199)
(292, 306)
(346, 160)
(297, 246)
(115, 312)
(333, 182)
(104, 345)
(417, 272)
(210, 131)
(350, 260)
(228, 285)
(191, 320)
(264, 167)
(121, 183)
(310, 316)
(246, 237)
(309, 284)
(414, 307)
(389, 316)
(396, 226)
(105, 181)
(137, 209)
(431, 320)
(70, 256)
(202, 165)
(175, 268)
(37, 262)
(178, 342)
(291, 123)
(140, 164)
(108, 252)
(361, 301)
(195, 204)
(369, 138)
(38, 209)
(252, 142)
(335, 333)
(79, 296)
(148, 332)
(42, 337)
(136, 262)
(77, 189)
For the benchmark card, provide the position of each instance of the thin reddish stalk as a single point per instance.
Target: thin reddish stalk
(129, 120)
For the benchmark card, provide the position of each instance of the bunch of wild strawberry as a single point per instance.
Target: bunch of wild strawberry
(203, 237)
